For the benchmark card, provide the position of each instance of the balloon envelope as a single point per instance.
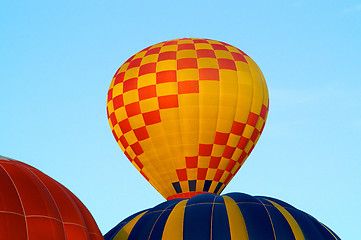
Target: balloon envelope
(187, 113)
(35, 206)
(233, 216)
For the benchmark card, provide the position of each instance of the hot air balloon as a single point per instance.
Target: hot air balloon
(232, 216)
(35, 206)
(187, 113)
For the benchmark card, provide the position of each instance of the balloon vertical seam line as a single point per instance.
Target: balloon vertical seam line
(269, 216)
(232, 203)
(250, 107)
(295, 227)
(22, 206)
(260, 74)
(199, 118)
(150, 176)
(211, 232)
(54, 202)
(217, 120)
(169, 188)
(165, 190)
(179, 117)
(235, 113)
(132, 222)
(164, 210)
(176, 215)
(237, 103)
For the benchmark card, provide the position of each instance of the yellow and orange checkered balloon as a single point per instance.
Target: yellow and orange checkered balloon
(187, 113)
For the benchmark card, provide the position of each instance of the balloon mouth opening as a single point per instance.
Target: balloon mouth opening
(186, 195)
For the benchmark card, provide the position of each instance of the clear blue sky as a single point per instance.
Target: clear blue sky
(57, 59)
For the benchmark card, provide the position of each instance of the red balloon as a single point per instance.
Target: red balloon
(34, 206)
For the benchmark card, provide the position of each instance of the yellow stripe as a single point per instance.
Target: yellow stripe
(173, 229)
(125, 231)
(237, 225)
(297, 232)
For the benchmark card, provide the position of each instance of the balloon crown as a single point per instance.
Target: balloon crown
(187, 113)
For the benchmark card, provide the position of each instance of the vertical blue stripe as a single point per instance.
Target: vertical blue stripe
(198, 217)
(143, 227)
(146, 226)
(255, 216)
(177, 187)
(158, 228)
(192, 185)
(111, 233)
(220, 222)
(282, 228)
(207, 185)
(219, 185)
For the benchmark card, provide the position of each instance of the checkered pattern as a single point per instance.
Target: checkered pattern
(187, 113)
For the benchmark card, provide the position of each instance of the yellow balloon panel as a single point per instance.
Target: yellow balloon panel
(187, 113)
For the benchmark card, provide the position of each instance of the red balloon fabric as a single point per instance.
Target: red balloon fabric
(34, 206)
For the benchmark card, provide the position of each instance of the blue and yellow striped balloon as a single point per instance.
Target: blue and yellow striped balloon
(227, 217)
